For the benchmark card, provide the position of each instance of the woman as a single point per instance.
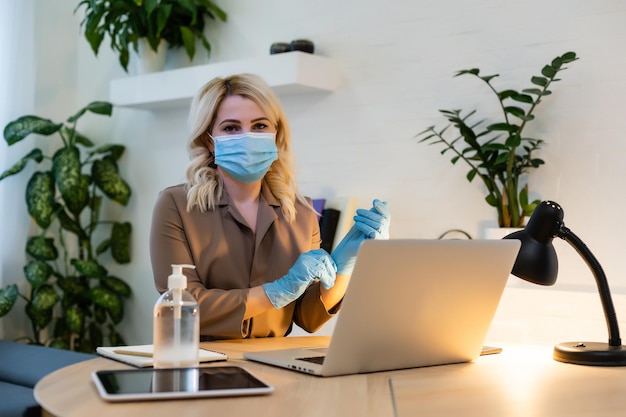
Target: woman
(254, 239)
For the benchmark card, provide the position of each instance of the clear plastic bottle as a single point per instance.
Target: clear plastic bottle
(176, 324)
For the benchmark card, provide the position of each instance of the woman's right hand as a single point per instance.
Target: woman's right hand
(315, 264)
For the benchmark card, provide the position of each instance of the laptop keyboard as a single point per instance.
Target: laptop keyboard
(320, 359)
(313, 359)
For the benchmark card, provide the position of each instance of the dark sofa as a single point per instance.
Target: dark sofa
(21, 367)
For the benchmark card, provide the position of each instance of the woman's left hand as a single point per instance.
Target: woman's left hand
(374, 223)
(368, 224)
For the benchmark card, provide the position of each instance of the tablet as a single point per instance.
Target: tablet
(163, 384)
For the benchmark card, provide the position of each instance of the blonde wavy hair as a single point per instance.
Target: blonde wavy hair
(204, 187)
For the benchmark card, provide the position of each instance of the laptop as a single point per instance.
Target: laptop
(410, 303)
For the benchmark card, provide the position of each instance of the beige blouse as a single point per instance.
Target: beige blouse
(230, 259)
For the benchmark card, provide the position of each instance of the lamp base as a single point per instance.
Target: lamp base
(590, 353)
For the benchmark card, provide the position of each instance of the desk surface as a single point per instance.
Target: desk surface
(522, 381)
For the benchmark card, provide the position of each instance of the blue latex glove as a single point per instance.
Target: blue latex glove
(368, 224)
(315, 264)
(374, 223)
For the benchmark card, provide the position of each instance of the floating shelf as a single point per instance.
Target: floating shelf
(287, 73)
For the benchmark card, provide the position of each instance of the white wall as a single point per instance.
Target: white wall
(398, 59)
(18, 60)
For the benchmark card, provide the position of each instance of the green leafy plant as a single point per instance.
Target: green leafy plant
(499, 154)
(179, 22)
(73, 302)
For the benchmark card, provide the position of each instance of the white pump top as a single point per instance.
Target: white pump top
(178, 280)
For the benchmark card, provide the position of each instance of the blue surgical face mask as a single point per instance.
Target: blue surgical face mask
(246, 157)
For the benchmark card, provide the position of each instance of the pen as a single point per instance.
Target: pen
(133, 353)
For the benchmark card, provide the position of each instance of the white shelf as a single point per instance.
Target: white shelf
(287, 73)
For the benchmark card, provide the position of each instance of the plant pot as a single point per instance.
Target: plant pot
(499, 232)
(147, 60)
(178, 58)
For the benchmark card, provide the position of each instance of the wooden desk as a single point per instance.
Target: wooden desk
(521, 381)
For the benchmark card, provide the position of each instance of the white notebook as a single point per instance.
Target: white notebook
(141, 355)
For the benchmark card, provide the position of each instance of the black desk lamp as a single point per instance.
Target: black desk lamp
(537, 263)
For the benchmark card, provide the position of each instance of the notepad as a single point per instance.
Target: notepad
(141, 355)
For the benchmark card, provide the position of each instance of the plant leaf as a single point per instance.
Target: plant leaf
(107, 178)
(536, 162)
(36, 155)
(530, 207)
(163, 15)
(71, 225)
(37, 273)
(523, 196)
(504, 94)
(95, 205)
(74, 319)
(40, 192)
(100, 314)
(89, 268)
(117, 285)
(83, 140)
(97, 107)
(548, 71)
(504, 127)
(103, 246)
(221, 14)
(114, 150)
(20, 128)
(110, 301)
(74, 187)
(537, 92)
(44, 297)
(513, 141)
(40, 318)
(492, 201)
(189, 41)
(75, 288)
(516, 111)
(42, 248)
(473, 71)
(120, 242)
(124, 58)
(8, 296)
(522, 98)
(568, 57)
(540, 81)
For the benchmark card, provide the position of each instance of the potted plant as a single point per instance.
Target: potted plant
(72, 302)
(179, 23)
(500, 153)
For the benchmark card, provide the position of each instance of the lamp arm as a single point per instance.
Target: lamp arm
(601, 281)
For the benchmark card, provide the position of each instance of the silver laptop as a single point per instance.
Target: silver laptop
(410, 303)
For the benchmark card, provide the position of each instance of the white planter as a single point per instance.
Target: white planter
(498, 232)
(178, 58)
(147, 60)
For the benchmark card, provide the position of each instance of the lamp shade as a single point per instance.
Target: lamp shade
(537, 261)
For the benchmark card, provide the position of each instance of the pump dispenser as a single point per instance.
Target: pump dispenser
(176, 324)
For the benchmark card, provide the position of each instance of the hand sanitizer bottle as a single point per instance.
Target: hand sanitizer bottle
(176, 324)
